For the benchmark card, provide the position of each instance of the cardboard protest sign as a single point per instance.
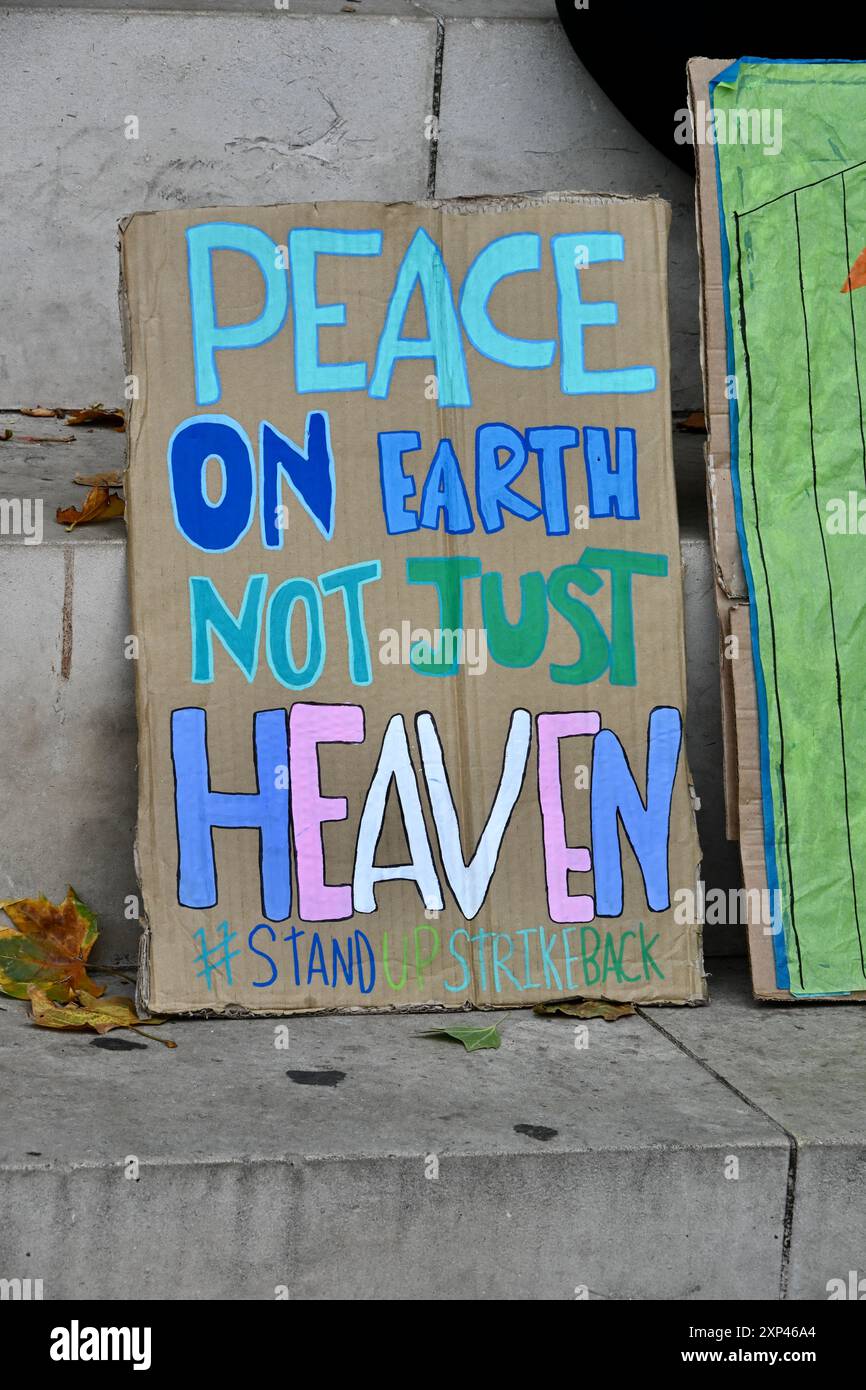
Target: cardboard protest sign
(782, 217)
(406, 589)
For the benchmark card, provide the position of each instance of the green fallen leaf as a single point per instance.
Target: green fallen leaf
(473, 1038)
(586, 1008)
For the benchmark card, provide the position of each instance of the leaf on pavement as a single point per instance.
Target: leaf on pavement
(97, 415)
(102, 1015)
(113, 478)
(100, 504)
(473, 1038)
(586, 1008)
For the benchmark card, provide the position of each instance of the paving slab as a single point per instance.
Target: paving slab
(804, 1066)
(363, 1161)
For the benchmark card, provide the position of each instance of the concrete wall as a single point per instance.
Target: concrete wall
(266, 105)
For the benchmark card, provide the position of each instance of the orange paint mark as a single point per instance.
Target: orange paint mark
(857, 277)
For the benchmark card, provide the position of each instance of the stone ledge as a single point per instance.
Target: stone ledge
(405, 9)
(557, 1168)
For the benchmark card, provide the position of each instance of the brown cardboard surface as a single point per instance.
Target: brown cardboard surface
(228, 955)
(751, 819)
(730, 576)
(724, 607)
(713, 345)
(730, 591)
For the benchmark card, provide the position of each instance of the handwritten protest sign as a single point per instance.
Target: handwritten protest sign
(406, 597)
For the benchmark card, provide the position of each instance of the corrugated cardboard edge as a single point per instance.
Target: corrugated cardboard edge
(142, 985)
(724, 544)
(724, 606)
(479, 203)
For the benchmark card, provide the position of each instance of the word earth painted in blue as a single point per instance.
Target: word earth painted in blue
(612, 490)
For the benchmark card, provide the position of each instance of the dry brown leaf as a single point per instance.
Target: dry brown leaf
(607, 1009)
(98, 415)
(100, 504)
(42, 412)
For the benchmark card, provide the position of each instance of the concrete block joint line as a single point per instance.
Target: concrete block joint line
(435, 106)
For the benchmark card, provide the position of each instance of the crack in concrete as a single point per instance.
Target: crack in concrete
(66, 619)
(793, 1147)
(435, 106)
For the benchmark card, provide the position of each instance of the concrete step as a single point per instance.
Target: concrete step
(366, 1162)
(447, 9)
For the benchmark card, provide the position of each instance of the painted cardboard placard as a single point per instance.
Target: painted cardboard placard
(782, 202)
(406, 592)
